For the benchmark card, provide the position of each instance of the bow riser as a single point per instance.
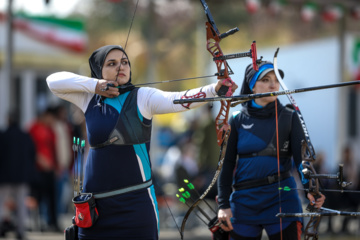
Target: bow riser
(212, 45)
(221, 122)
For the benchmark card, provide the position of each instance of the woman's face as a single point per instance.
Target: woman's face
(268, 83)
(116, 67)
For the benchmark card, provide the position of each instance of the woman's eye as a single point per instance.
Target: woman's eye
(124, 63)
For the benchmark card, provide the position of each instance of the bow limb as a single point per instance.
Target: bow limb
(308, 157)
(310, 147)
(213, 182)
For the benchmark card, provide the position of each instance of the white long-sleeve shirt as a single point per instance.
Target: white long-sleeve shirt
(79, 90)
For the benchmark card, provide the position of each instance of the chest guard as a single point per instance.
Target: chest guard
(129, 128)
(285, 122)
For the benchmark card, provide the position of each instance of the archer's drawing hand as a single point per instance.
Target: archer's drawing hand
(103, 88)
(319, 202)
(224, 216)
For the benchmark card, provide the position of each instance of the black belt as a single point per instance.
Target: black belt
(261, 182)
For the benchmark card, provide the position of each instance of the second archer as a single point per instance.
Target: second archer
(255, 168)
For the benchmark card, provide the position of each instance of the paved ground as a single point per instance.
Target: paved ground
(197, 231)
(198, 234)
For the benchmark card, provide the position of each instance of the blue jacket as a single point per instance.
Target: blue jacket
(252, 130)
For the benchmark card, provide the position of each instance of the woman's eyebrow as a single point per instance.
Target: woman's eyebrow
(111, 60)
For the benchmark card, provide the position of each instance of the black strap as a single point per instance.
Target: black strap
(261, 182)
(143, 185)
(107, 142)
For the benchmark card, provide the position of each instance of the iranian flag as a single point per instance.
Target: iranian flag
(356, 60)
(66, 33)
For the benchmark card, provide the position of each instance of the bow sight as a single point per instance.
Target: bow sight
(339, 176)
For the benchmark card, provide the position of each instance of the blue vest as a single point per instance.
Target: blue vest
(130, 128)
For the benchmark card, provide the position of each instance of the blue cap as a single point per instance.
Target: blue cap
(263, 70)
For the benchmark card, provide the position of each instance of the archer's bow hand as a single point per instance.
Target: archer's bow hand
(224, 216)
(230, 85)
(318, 202)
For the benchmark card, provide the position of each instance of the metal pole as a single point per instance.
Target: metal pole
(6, 73)
(343, 92)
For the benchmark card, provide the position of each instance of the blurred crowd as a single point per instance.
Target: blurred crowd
(36, 170)
(344, 201)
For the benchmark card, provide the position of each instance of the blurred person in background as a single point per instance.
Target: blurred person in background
(17, 165)
(206, 140)
(333, 198)
(186, 166)
(44, 190)
(349, 201)
(64, 139)
(251, 166)
(118, 119)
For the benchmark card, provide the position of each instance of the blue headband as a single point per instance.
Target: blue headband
(257, 74)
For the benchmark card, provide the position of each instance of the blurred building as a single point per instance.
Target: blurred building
(40, 46)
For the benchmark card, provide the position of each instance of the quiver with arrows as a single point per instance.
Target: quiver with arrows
(86, 211)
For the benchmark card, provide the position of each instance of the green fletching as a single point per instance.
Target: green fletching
(181, 190)
(181, 199)
(186, 194)
(78, 141)
(189, 184)
(286, 188)
(83, 143)
(74, 140)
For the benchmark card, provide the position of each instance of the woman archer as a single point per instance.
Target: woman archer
(251, 166)
(118, 120)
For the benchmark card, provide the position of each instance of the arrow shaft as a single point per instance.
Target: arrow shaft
(244, 98)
